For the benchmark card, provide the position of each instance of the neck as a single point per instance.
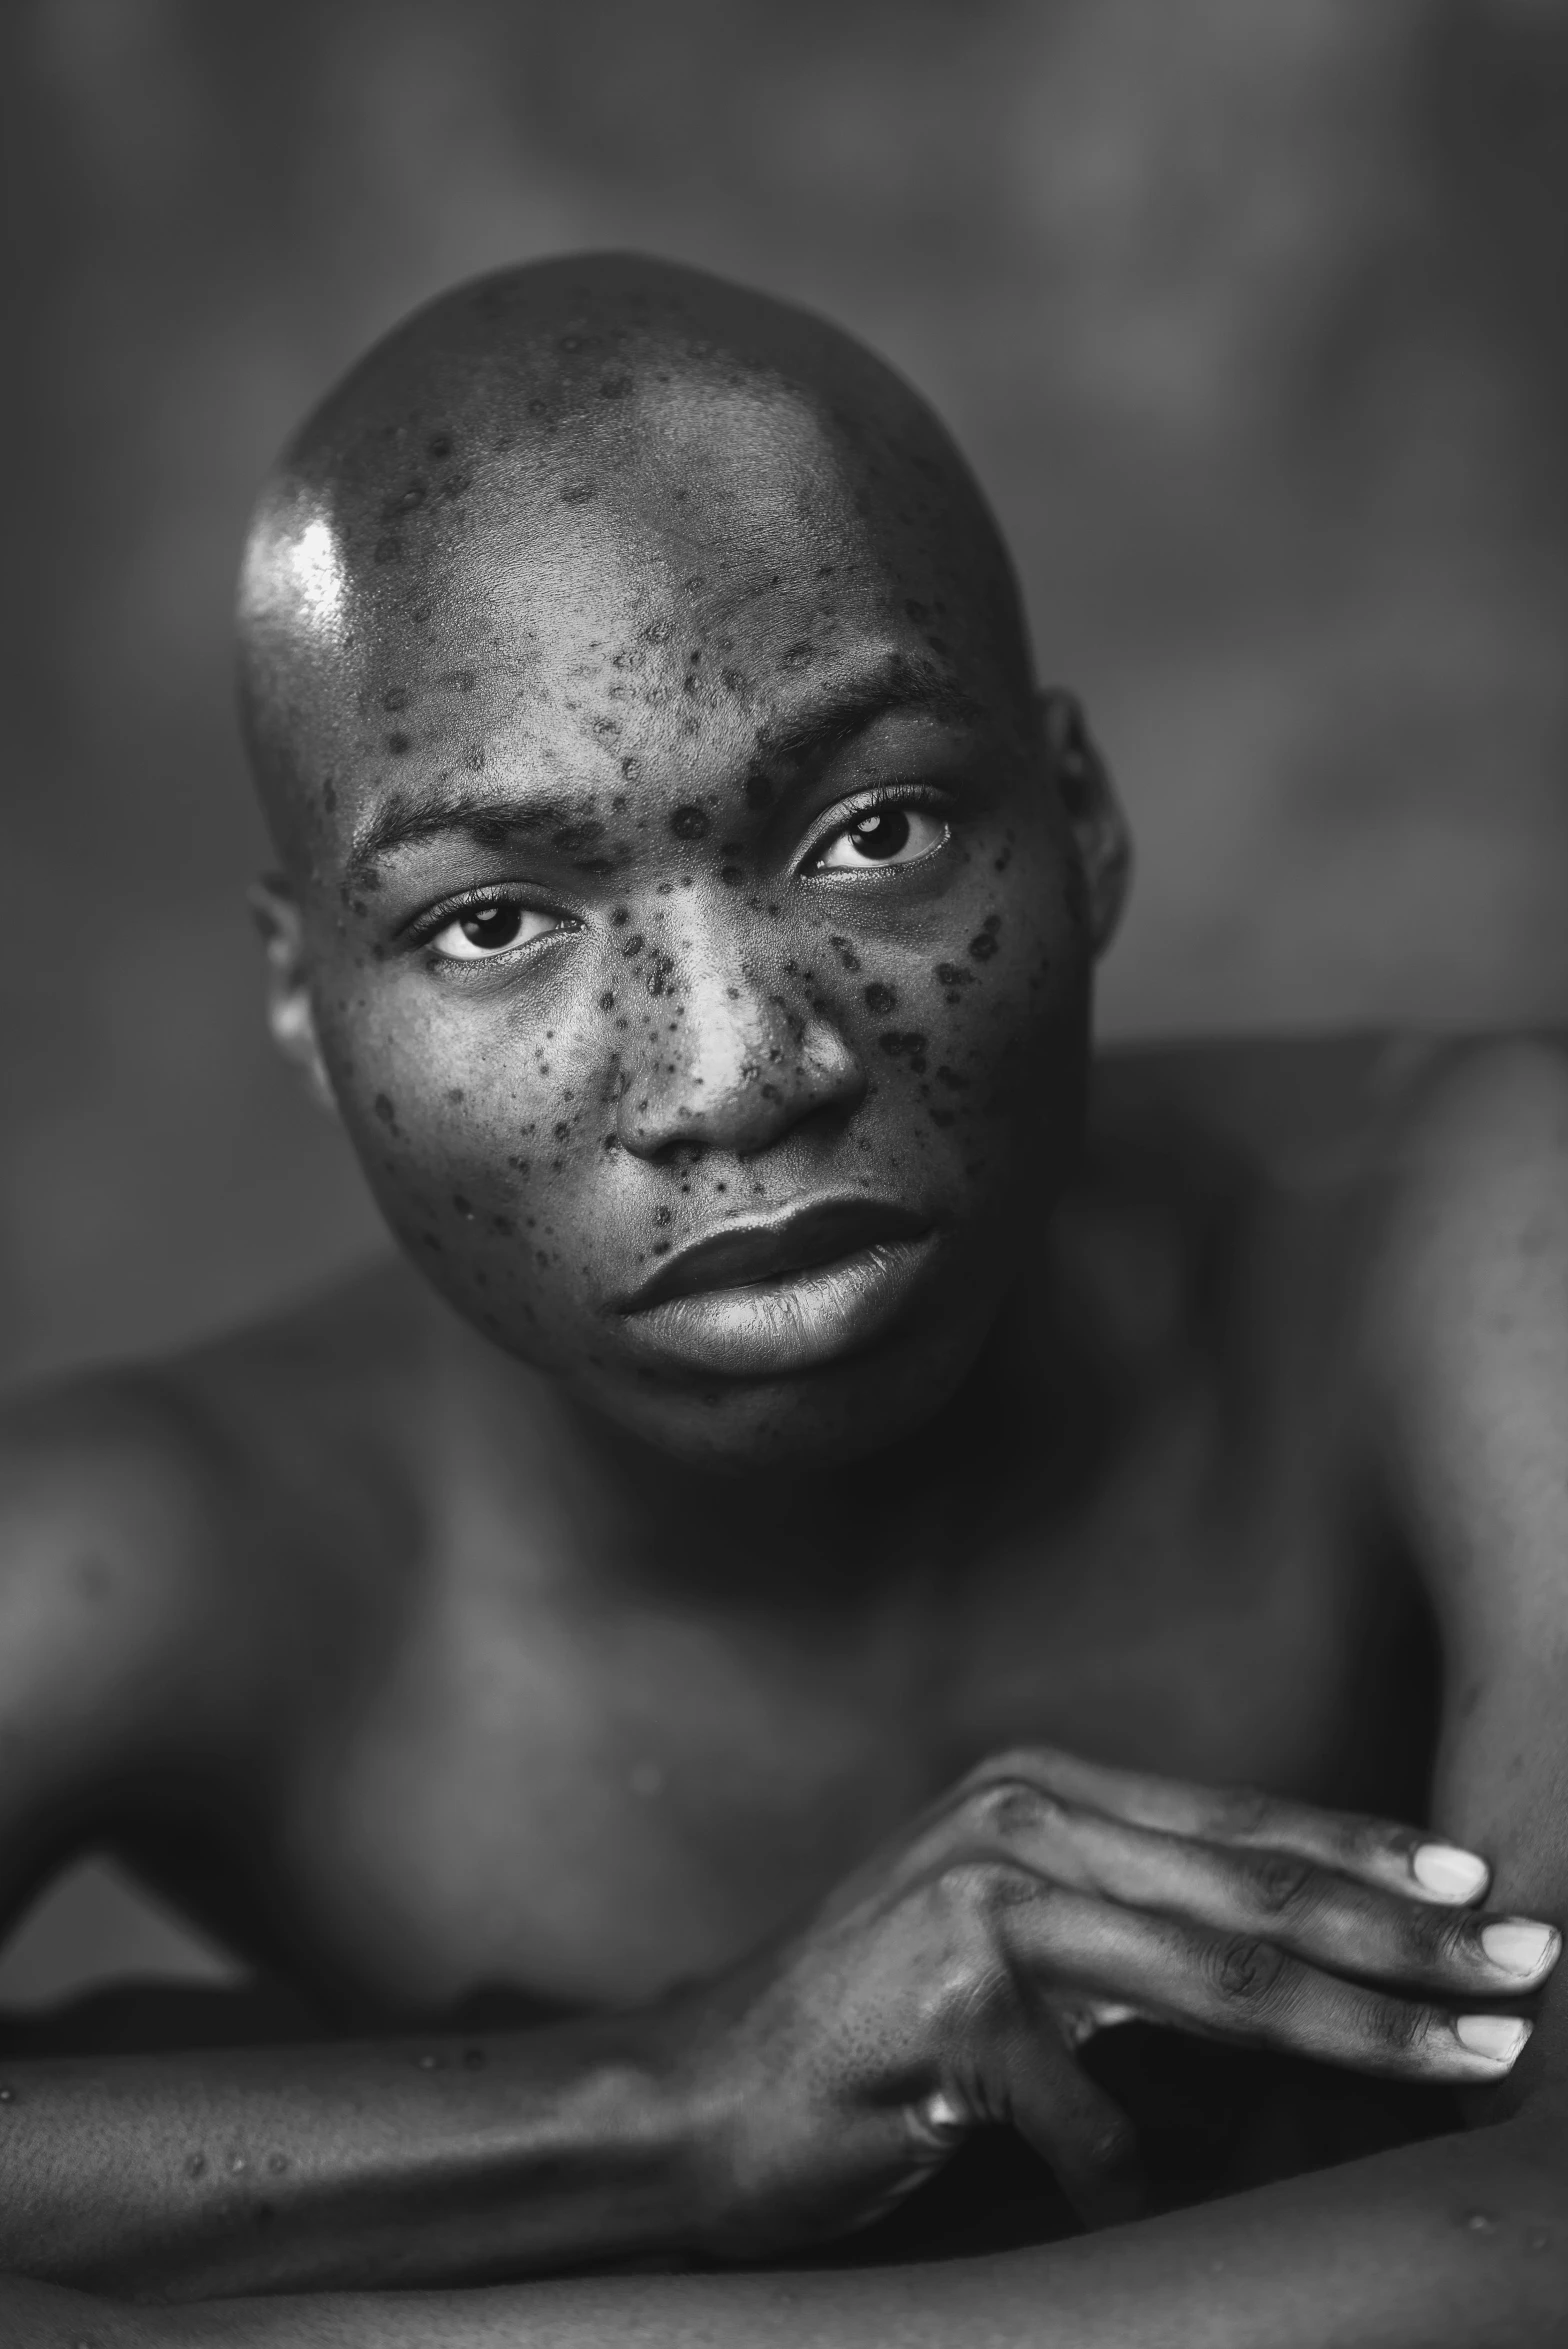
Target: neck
(804, 1537)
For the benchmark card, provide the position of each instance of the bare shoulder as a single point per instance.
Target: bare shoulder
(171, 1539)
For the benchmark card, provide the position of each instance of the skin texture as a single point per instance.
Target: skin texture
(651, 599)
(697, 1799)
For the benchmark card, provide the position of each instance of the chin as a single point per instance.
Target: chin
(843, 1411)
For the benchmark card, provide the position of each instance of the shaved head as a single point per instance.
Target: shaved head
(672, 837)
(497, 446)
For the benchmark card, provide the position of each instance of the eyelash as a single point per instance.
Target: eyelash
(920, 796)
(430, 925)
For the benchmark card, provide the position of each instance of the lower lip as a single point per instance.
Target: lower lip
(775, 1327)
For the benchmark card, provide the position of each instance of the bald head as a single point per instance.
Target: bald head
(548, 469)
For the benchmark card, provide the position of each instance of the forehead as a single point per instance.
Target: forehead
(672, 569)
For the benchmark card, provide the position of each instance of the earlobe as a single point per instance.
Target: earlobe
(1093, 811)
(291, 1015)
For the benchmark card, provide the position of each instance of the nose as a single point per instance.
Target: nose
(732, 1066)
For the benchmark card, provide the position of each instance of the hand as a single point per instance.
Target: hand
(945, 1985)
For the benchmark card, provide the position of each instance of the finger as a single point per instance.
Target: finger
(1312, 1912)
(1240, 1987)
(1091, 2148)
(1384, 1852)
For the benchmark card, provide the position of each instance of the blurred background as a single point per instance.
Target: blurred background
(1254, 320)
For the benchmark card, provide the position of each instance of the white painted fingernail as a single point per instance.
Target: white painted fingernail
(1498, 2037)
(1449, 1873)
(1517, 1945)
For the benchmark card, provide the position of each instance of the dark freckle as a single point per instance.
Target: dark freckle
(455, 1094)
(983, 947)
(607, 1000)
(694, 583)
(620, 918)
(615, 387)
(731, 876)
(577, 493)
(463, 1206)
(502, 1224)
(474, 757)
(880, 998)
(397, 699)
(735, 679)
(460, 680)
(438, 447)
(689, 823)
(406, 502)
(905, 1044)
(796, 656)
(663, 1216)
(992, 922)
(952, 974)
(397, 744)
(389, 550)
(634, 944)
(385, 1110)
(419, 615)
(537, 407)
(914, 611)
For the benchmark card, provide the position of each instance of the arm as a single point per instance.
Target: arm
(1452, 2243)
(1459, 2243)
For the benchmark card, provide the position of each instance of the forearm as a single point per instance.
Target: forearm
(1459, 2243)
(351, 2165)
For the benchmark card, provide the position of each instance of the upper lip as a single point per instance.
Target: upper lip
(744, 1253)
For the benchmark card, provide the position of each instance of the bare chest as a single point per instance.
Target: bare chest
(588, 1806)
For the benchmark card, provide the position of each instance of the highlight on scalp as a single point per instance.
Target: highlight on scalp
(555, 372)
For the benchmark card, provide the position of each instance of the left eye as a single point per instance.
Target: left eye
(480, 932)
(882, 836)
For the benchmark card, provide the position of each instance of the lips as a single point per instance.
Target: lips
(750, 1254)
(771, 1300)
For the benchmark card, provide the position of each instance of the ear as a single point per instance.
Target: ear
(1093, 811)
(291, 1015)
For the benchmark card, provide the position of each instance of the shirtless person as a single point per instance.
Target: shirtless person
(715, 1673)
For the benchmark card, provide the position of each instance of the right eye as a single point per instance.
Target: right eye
(481, 932)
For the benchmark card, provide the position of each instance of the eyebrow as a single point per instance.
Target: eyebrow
(835, 718)
(831, 721)
(483, 818)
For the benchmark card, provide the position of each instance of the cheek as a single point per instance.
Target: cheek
(481, 1140)
(962, 1023)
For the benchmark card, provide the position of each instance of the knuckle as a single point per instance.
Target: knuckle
(1281, 1885)
(1247, 1972)
(984, 1889)
(1007, 1809)
(1396, 2027)
(1242, 1811)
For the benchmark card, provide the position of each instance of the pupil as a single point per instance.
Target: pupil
(491, 925)
(882, 833)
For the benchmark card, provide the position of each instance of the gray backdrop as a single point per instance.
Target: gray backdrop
(1252, 317)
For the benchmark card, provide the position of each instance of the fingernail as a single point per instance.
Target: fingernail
(1498, 2037)
(1518, 1945)
(1452, 1874)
